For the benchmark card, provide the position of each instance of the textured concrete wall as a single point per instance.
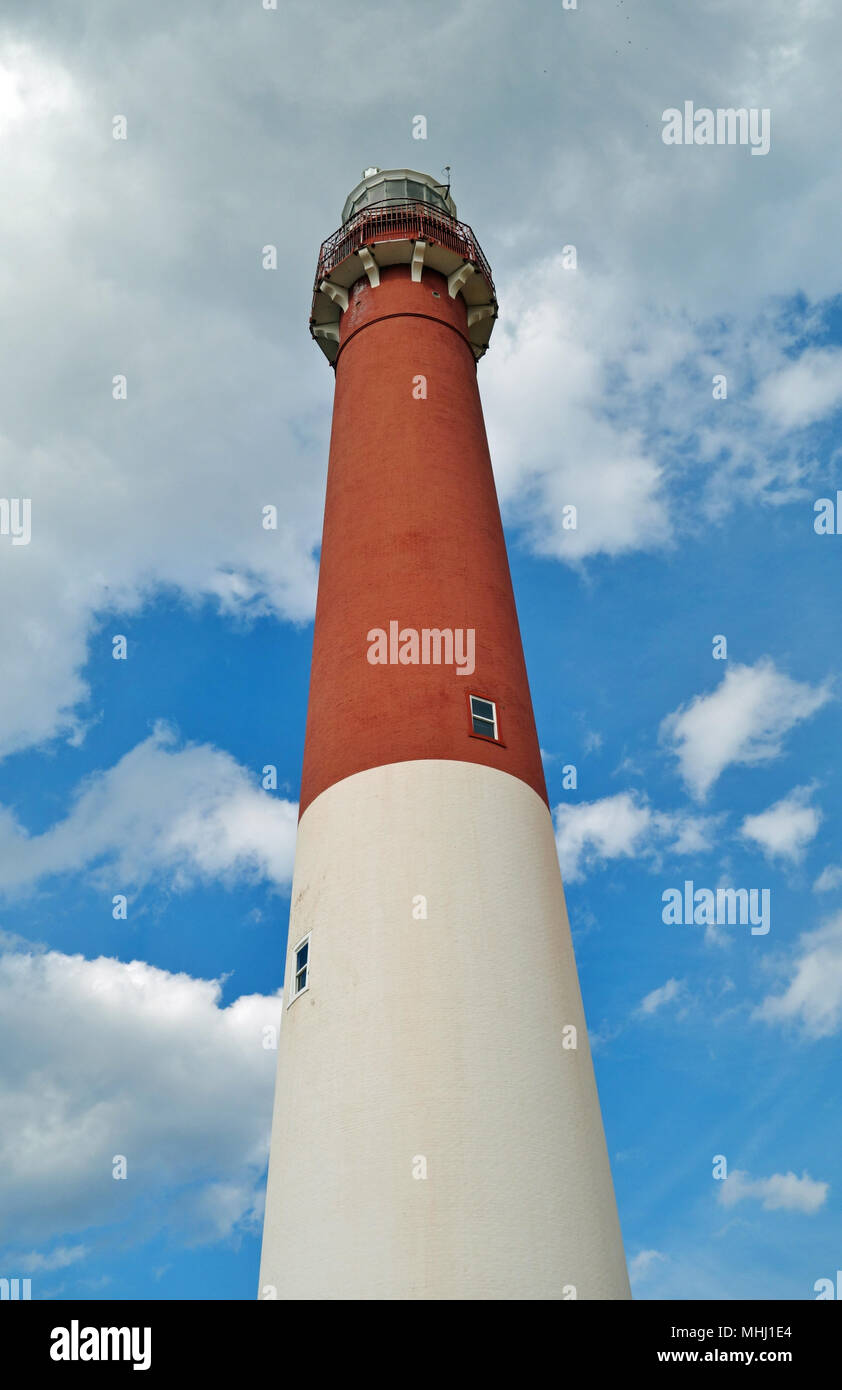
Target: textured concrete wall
(440, 1039)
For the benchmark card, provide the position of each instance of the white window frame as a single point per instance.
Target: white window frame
(293, 992)
(476, 715)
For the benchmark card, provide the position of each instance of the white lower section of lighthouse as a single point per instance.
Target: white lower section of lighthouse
(433, 1136)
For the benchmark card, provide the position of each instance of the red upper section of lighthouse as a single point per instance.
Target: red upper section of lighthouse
(412, 536)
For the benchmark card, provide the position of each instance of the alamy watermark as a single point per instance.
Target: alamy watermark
(81, 1343)
(15, 1289)
(724, 126)
(828, 518)
(432, 646)
(704, 907)
(16, 519)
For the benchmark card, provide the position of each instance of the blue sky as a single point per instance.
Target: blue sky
(144, 1036)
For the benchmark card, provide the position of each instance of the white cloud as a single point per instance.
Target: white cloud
(59, 1258)
(803, 391)
(166, 488)
(607, 421)
(100, 1057)
(621, 827)
(743, 721)
(813, 997)
(32, 88)
(549, 366)
(665, 994)
(192, 813)
(780, 1192)
(693, 834)
(642, 1263)
(592, 831)
(829, 879)
(784, 830)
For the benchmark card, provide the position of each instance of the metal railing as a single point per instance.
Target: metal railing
(408, 220)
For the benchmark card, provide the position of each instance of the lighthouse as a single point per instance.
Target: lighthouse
(437, 1131)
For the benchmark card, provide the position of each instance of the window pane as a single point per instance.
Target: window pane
(300, 980)
(483, 708)
(301, 956)
(393, 190)
(483, 726)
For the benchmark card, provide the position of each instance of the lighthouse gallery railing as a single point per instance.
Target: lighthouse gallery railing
(398, 221)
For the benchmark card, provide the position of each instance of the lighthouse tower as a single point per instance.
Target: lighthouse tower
(437, 1131)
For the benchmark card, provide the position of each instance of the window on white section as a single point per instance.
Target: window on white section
(483, 717)
(300, 969)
